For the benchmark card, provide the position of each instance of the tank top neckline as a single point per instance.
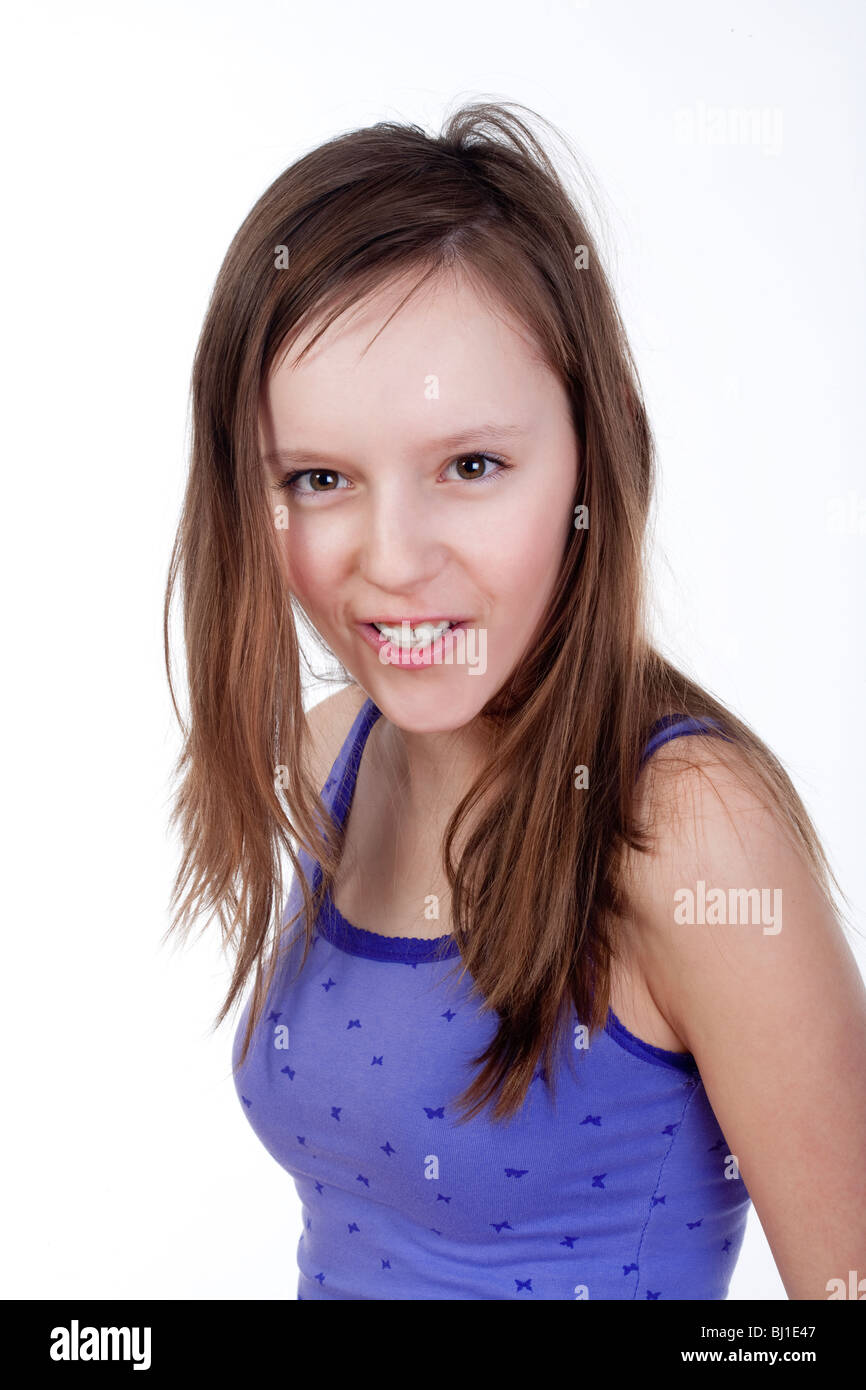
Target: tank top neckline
(413, 950)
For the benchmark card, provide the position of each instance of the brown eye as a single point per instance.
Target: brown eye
(316, 477)
(321, 480)
(474, 463)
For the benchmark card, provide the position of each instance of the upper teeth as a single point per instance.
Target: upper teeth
(420, 635)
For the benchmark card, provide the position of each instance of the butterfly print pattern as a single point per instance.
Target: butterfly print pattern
(614, 1188)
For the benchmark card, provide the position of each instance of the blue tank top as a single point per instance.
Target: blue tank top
(620, 1188)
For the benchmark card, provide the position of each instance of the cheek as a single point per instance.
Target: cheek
(523, 574)
(320, 550)
(531, 555)
(306, 570)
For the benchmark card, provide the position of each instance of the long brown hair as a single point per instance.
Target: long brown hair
(350, 215)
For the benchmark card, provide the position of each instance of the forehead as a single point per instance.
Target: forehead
(453, 345)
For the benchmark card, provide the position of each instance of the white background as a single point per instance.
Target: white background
(137, 139)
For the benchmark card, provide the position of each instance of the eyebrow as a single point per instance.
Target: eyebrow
(458, 440)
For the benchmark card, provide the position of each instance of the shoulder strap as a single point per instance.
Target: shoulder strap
(341, 782)
(672, 726)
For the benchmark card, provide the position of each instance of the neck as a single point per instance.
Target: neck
(429, 773)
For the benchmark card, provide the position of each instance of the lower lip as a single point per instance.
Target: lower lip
(407, 661)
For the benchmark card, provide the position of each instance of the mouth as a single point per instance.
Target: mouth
(409, 635)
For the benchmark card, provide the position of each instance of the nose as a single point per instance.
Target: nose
(402, 546)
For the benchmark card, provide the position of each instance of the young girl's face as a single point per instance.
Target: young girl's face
(434, 478)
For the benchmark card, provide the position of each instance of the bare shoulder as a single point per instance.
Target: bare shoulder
(726, 913)
(708, 817)
(328, 723)
(685, 769)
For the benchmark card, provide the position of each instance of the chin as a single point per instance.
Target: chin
(435, 709)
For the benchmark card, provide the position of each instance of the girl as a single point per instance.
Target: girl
(559, 988)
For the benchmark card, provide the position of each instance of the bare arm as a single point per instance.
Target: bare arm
(773, 1011)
